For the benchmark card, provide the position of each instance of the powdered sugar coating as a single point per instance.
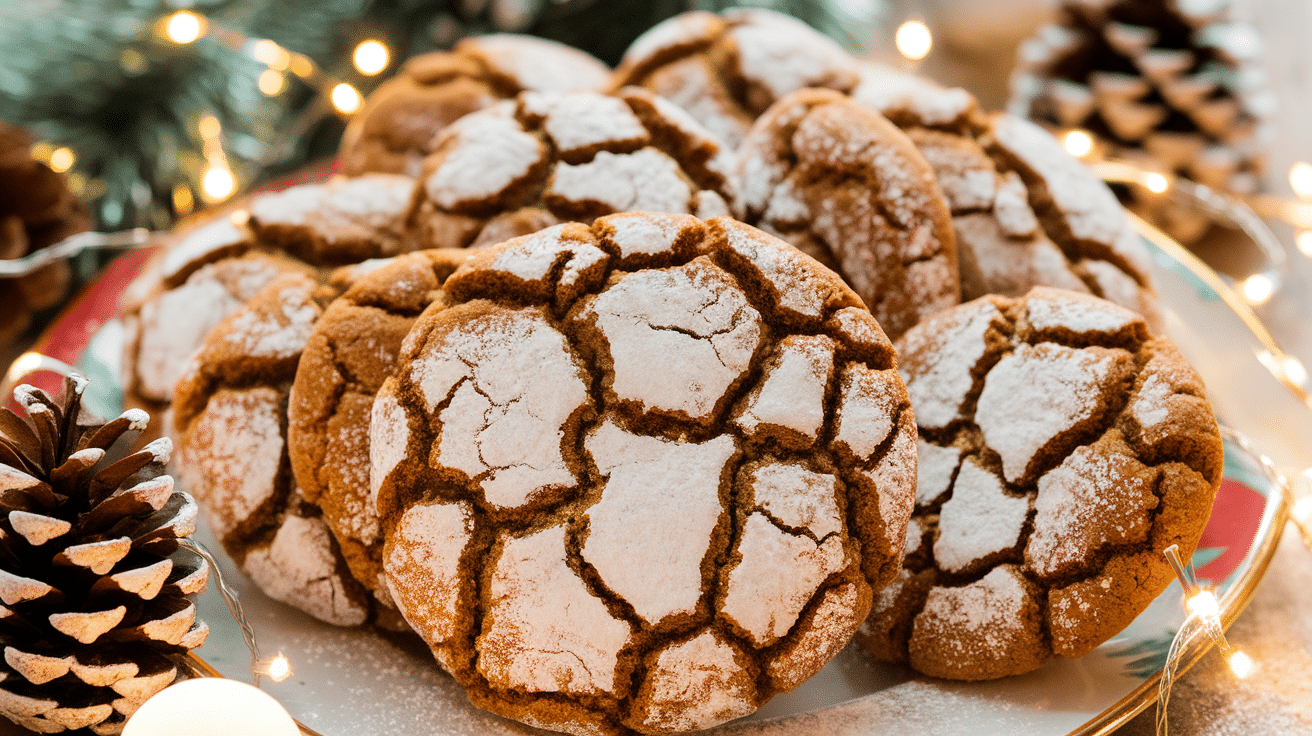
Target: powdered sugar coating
(1087, 206)
(1045, 539)
(422, 566)
(654, 490)
(783, 54)
(690, 325)
(680, 518)
(983, 621)
(489, 152)
(844, 185)
(1092, 501)
(797, 498)
(981, 519)
(777, 576)
(902, 96)
(389, 438)
(717, 690)
(497, 376)
(1038, 392)
(791, 395)
(544, 631)
(866, 409)
(937, 466)
(365, 207)
(546, 158)
(939, 391)
(242, 434)
(299, 567)
(278, 333)
(1050, 309)
(578, 122)
(173, 323)
(624, 182)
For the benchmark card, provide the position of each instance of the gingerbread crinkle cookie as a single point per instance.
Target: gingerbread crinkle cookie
(1062, 448)
(640, 476)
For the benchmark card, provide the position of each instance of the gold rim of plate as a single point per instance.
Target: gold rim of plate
(1274, 517)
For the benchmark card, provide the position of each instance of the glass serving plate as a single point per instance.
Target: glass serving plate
(361, 682)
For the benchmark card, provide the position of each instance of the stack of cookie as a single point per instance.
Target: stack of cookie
(629, 464)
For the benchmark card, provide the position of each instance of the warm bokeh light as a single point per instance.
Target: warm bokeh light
(1078, 143)
(184, 27)
(62, 159)
(209, 127)
(1304, 241)
(371, 57)
(218, 183)
(1294, 370)
(183, 200)
(301, 66)
(271, 54)
(271, 82)
(1241, 664)
(1300, 178)
(346, 99)
(1257, 289)
(1155, 182)
(914, 40)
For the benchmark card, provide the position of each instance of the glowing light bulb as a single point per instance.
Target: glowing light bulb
(1203, 604)
(1304, 241)
(1155, 182)
(184, 27)
(62, 159)
(1078, 143)
(1300, 178)
(277, 669)
(1241, 664)
(1302, 510)
(346, 99)
(271, 82)
(1257, 289)
(913, 40)
(371, 57)
(218, 183)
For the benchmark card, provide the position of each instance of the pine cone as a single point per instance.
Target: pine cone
(93, 581)
(1173, 86)
(36, 210)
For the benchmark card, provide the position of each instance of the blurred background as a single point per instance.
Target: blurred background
(155, 109)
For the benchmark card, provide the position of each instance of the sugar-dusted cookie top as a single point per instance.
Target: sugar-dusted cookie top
(338, 222)
(394, 130)
(842, 183)
(210, 271)
(230, 418)
(640, 476)
(350, 351)
(1026, 213)
(1062, 448)
(726, 69)
(546, 157)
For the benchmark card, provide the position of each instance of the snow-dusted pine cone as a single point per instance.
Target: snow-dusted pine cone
(93, 581)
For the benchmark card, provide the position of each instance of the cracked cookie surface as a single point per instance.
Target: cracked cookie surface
(844, 185)
(230, 421)
(641, 476)
(1026, 213)
(394, 130)
(726, 69)
(1062, 448)
(547, 157)
(350, 351)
